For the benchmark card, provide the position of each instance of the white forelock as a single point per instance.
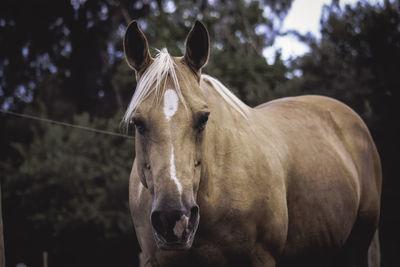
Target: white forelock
(151, 81)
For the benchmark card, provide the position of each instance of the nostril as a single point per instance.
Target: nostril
(157, 222)
(164, 221)
(194, 215)
(174, 225)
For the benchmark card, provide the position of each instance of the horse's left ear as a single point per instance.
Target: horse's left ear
(197, 47)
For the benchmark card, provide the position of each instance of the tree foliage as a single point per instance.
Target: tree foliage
(70, 182)
(80, 40)
(357, 59)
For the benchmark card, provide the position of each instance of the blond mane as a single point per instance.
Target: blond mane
(227, 95)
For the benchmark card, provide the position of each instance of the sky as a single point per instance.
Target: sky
(304, 17)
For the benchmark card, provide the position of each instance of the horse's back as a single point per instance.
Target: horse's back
(345, 124)
(333, 177)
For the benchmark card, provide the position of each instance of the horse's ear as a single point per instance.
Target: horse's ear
(136, 49)
(197, 47)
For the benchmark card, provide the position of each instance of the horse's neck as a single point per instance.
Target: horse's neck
(226, 134)
(226, 120)
(237, 149)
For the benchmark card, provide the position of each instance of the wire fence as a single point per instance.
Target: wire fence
(65, 124)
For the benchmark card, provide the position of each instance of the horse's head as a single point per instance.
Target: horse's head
(170, 115)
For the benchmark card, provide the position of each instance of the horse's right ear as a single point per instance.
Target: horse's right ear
(136, 49)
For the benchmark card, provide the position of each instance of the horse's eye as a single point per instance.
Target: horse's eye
(202, 122)
(139, 125)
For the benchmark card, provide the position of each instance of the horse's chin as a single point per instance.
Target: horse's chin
(176, 245)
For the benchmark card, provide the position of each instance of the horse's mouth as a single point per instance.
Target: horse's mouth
(184, 244)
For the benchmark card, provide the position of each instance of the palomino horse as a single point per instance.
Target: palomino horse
(293, 182)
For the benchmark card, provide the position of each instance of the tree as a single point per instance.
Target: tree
(81, 42)
(72, 184)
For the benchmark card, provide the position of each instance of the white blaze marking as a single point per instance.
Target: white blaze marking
(170, 103)
(172, 171)
(140, 189)
(181, 226)
(170, 108)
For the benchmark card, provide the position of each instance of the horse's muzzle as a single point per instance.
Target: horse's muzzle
(175, 229)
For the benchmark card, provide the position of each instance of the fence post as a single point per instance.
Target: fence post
(2, 254)
(45, 258)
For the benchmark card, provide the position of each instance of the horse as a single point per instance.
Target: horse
(294, 181)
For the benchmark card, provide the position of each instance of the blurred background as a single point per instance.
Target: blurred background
(65, 190)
